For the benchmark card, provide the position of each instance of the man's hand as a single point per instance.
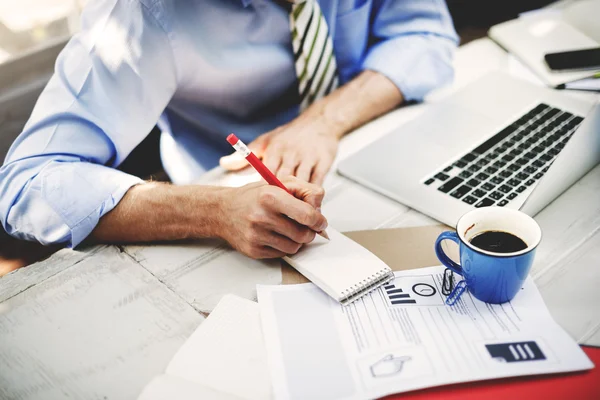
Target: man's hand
(263, 221)
(259, 220)
(306, 146)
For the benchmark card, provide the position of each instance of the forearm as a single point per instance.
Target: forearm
(364, 98)
(158, 211)
(259, 220)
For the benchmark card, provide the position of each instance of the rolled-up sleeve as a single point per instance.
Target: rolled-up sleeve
(412, 42)
(111, 83)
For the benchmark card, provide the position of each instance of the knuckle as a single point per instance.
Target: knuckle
(309, 236)
(302, 219)
(290, 181)
(295, 248)
(313, 217)
(251, 237)
(256, 217)
(266, 198)
(277, 147)
(303, 236)
(308, 218)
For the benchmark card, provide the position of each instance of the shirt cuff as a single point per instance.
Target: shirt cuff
(82, 230)
(82, 193)
(416, 64)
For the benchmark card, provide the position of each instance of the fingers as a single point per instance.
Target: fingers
(307, 192)
(288, 165)
(281, 243)
(269, 252)
(268, 219)
(277, 200)
(272, 159)
(260, 252)
(320, 172)
(263, 243)
(292, 230)
(305, 169)
(274, 236)
(309, 169)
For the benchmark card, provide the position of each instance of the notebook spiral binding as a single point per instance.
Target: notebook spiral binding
(366, 286)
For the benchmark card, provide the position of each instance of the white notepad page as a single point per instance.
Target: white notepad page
(224, 359)
(339, 266)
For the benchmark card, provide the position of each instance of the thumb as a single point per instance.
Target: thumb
(236, 161)
(233, 162)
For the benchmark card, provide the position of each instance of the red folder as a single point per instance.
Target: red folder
(576, 385)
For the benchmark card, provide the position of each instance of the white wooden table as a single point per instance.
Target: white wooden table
(99, 323)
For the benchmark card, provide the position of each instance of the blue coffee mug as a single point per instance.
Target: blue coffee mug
(492, 277)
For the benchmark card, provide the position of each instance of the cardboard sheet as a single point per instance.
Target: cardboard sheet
(399, 248)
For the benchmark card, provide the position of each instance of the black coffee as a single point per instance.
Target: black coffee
(498, 242)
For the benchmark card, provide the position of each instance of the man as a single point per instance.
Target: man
(290, 77)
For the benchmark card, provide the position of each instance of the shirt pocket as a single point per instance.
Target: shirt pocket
(350, 39)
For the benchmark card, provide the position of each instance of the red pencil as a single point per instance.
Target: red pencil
(260, 167)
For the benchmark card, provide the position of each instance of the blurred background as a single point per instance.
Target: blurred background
(29, 24)
(32, 33)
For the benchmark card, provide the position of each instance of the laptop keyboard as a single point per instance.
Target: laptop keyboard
(509, 162)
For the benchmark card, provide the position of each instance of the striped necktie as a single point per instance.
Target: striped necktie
(316, 67)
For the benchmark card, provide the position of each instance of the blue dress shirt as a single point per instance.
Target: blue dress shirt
(201, 69)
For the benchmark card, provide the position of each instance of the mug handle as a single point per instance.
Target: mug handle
(444, 259)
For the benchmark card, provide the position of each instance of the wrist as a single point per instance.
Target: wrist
(200, 210)
(367, 96)
(323, 113)
(217, 216)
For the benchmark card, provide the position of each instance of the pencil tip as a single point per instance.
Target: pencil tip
(324, 234)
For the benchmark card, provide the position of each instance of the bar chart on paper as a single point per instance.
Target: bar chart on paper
(516, 352)
(397, 296)
(420, 290)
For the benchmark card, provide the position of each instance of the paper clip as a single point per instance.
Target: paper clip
(447, 282)
(456, 293)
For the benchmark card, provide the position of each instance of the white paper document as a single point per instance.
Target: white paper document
(224, 359)
(404, 337)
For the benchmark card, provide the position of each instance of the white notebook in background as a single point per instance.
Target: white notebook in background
(224, 359)
(340, 267)
(544, 31)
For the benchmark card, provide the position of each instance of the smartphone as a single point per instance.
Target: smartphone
(571, 60)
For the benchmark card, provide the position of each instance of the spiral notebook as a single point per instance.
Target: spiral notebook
(340, 267)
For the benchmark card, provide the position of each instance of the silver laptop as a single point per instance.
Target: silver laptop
(499, 141)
